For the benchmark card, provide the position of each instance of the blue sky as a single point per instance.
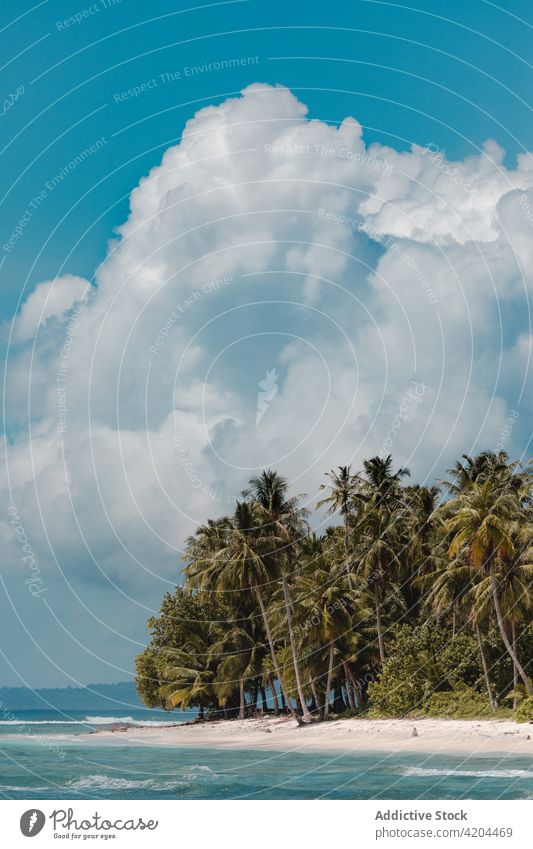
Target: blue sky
(109, 87)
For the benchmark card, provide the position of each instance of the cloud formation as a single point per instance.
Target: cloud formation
(50, 299)
(266, 242)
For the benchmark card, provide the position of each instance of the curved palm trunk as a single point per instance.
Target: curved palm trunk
(305, 710)
(339, 705)
(505, 638)
(328, 682)
(351, 700)
(348, 572)
(255, 693)
(273, 654)
(315, 696)
(241, 698)
(358, 697)
(492, 700)
(515, 670)
(274, 694)
(377, 601)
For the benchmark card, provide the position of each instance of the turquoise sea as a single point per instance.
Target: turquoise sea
(38, 761)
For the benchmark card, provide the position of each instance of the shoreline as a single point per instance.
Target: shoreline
(436, 736)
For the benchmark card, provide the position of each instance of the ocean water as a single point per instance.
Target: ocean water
(40, 759)
(82, 721)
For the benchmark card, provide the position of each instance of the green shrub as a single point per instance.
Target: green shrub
(524, 711)
(461, 703)
(420, 662)
(461, 662)
(172, 630)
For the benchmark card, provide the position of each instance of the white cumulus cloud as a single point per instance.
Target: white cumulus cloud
(265, 241)
(50, 299)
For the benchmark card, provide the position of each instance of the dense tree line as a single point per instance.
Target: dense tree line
(419, 599)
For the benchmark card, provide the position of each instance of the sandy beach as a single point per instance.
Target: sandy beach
(400, 735)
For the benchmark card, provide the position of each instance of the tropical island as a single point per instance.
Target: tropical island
(415, 606)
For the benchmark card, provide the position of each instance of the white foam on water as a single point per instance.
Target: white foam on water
(469, 773)
(13, 788)
(123, 720)
(42, 722)
(108, 782)
(89, 720)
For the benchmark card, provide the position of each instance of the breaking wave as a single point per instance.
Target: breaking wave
(469, 773)
(89, 720)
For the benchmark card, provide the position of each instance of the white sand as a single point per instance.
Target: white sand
(392, 735)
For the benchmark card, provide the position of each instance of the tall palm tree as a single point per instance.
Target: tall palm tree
(268, 681)
(422, 501)
(244, 563)
(423, 544)
(515, 589)
(487, 465)
(242, 657)
(201, 547)
(188, 671)
(284, 520)
(324, 611)
(342, 490)
(482, 516)
(378, 530)
(452, 587)
(380, 484)
(379, 535)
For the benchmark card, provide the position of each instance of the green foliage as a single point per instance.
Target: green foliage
(462, 703)
(420, 662)
(181, 636)
(460, 660)
(524, 711)
(147, 679)
(313, 618)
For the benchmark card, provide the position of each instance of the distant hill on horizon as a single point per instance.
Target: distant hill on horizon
(90, 697)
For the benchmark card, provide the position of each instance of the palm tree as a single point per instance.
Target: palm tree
(201, 547)
(482, 516)
(515, 589)
(188, 671)
(377, 531)
(379, 484)
(268, 681)
(342, 488)
(242, 657)
(379, 539)
(517, 598)
(243, 564)
(266, 603)
(487, 465)
(284, 521)
(325, 607)
(422, 547)
(453, 587)
(422, 501)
